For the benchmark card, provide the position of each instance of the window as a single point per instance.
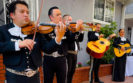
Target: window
(104, 10)
(109, 11)
(99, 9)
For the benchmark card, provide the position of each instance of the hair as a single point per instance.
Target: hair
(97, 24)
(120, 30)
(65, 15)
(12, 6)
(50, 12)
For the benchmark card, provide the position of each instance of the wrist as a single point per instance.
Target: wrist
(20, 43)
(81, 31)
(58, 40)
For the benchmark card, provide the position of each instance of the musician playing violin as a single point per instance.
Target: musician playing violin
(22, 55)
(73, 46)
(55, 63)
(120, 62)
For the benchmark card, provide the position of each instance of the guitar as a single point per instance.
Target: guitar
(99, 47)
(119, 53)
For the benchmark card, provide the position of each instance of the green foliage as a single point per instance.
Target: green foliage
(108, 30)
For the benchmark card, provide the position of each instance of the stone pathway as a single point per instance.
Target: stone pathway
(107, 79)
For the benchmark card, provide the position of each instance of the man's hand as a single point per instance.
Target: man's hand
(123, 48)
(112, 35)
(101, 35)
(60, 31)
(79, 25)
(28, 43)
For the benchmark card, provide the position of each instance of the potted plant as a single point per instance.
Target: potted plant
(79, 64)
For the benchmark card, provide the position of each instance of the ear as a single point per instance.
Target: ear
(12, 15)
(50, 17)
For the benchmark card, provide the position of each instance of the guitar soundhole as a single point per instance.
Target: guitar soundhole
(101, 42)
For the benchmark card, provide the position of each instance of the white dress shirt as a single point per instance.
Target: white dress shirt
(16, 31)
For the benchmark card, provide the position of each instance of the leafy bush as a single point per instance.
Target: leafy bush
(107, 30)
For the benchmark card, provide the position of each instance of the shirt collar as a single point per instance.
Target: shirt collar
(16, 31)
(123, 38)
(97, 34)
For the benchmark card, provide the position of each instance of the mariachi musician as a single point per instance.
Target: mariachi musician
(73, 46)
(95, 62)
(96, 47)
(120, 61)
(22, 55)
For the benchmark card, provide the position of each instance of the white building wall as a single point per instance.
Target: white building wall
(129, 21)
(132, 35)
(128, 24)
(78, 9)
(118, 14)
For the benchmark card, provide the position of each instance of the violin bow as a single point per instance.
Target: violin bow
(37, 22)
(38, 19)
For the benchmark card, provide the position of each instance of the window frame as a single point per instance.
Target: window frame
(100, 21)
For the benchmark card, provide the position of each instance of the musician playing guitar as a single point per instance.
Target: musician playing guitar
(95, 63)
(120, 62)
(93, 37)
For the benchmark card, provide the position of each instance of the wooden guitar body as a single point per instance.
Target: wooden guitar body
(119, 53)
(98, 48)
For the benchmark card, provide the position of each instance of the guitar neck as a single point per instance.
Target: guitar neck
(128, 47)
(108, 38)
(112, 36)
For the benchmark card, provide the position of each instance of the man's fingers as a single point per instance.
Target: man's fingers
(28, 47)
(61, 27)
(29, 44)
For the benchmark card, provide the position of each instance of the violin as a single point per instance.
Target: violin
(91, 25)
(71, 27)
(49, 27)
(73, 24)
(44, 28)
